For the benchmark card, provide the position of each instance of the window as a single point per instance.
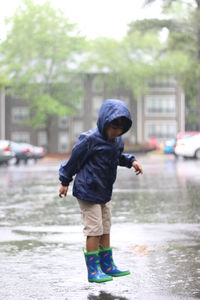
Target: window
(79, 105)
(20, 137)
(98, 84)
(42, 139)
(97, 102)
(160, 104)
(161, 130)
(78, 128)
(63, 142)
(19, 114)
(63, 122)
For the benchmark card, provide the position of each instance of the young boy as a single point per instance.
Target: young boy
(94, 159)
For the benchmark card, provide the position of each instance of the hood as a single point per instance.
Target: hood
(110, 110)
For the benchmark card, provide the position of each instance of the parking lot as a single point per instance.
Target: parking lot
(155, 233)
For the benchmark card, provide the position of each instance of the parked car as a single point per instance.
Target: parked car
(153, 143)
(169, 146)
(39, 152)
(186, 134)
(25, 151)
(188, 147)
(22, 152)
(5, 152)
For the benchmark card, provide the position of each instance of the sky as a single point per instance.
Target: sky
(108, 18)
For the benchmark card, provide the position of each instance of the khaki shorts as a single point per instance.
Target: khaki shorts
(96, 218)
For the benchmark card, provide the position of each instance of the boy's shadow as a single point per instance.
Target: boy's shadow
(105, 296)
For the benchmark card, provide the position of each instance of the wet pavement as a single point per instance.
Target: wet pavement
(155, 233)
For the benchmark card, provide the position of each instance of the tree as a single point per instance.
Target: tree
(3, 76)
(128, 63)
(3, 80)
(180, 55)
(39, 53)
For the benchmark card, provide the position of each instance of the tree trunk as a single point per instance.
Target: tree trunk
(198, 57)
(198, 102)
(48, 131)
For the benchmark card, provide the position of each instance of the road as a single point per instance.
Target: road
(155, 233)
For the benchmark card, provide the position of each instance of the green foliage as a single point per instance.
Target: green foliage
(180, 54)
(103, 56)
(151, 25)
(39, 52)
(4, 81)
(128, 62)
(139, 52)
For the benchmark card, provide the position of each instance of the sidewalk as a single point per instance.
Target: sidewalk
(153, 155)
(54, 157)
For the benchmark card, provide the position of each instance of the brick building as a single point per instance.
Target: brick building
(159, 112)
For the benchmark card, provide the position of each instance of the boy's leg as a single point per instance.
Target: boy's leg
(92, 221)
(106, 220)
(105, 253)
(93, 229)
(92, 243)
(105, 240)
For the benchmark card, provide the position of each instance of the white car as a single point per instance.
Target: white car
(188, 147)
(5, 152)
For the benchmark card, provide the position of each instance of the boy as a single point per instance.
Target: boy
(94, 159)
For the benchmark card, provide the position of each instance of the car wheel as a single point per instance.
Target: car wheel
(197, 153)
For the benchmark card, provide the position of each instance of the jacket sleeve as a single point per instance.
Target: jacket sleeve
(125, 159)
(80, 153)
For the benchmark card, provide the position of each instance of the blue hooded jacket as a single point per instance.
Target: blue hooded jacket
(95, 158)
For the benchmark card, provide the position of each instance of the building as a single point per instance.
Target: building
(158, 113)
(161, 112)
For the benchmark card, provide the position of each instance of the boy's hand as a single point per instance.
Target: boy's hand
(137, 167)
(63, 191)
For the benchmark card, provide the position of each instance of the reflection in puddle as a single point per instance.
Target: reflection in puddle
(155, 233)
(105, 296)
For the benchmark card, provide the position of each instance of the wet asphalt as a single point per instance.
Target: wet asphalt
(155, 233)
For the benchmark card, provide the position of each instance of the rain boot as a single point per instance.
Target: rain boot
(107, 263)
(95, 274)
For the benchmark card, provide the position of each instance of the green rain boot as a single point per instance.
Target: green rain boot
(95, 274)
(107, 263)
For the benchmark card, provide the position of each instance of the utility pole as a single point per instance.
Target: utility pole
(2, 114)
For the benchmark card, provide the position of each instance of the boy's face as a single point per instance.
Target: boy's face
(113, 131)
